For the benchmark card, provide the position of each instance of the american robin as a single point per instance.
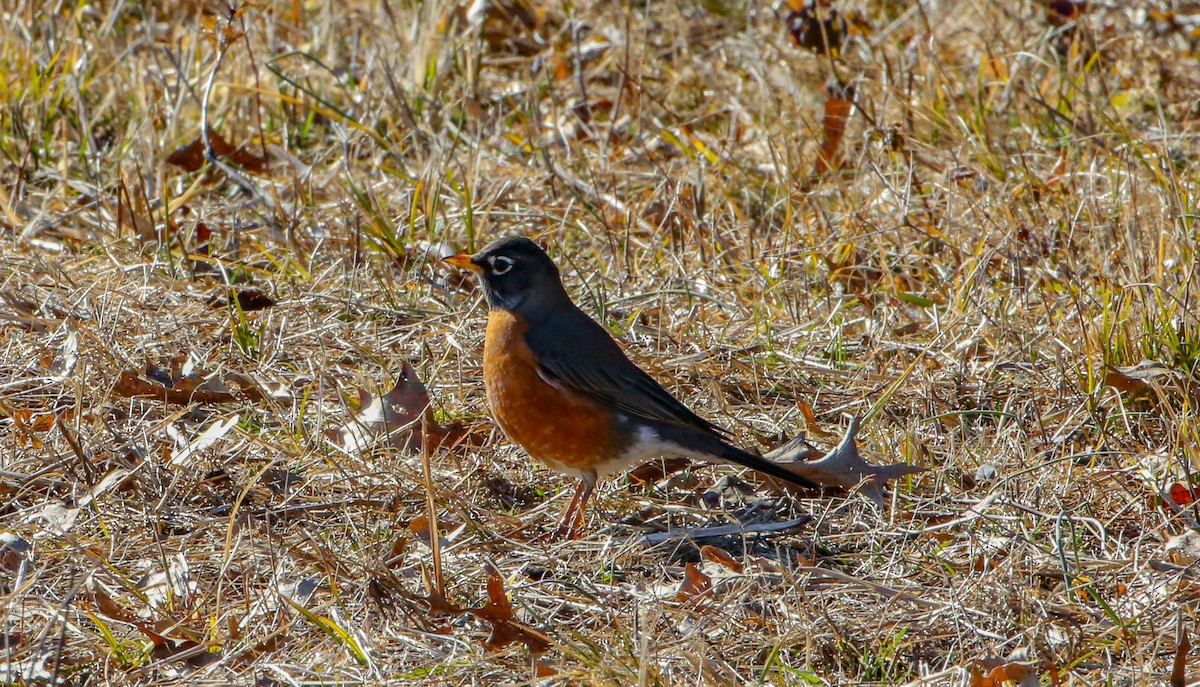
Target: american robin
(562, 388)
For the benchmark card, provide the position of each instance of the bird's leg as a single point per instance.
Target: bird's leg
(568, 524)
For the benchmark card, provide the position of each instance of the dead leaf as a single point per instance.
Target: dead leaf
(134, 211)
(1150, 377)
(59, 518)
(810, 422)
(1060, 12)
(190, 651)
(190, 157)
(1179, 668)
(105, 604)
(695, 585)
(505, 627)
(281, 481)
(420, 527)
(1002, 672)
(1182, 495)
(721, 557)
(839, 107)
(248, 300)
(396, 557)
(403, 416)
(182, 389)
(842, 467)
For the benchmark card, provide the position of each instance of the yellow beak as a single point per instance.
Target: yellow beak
(463, 261)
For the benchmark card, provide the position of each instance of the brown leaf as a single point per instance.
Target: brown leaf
(1126, 384)
(1179, 668)
(505, 628)
(1182, 495)
(810, 422)
(403, 416)
(249, 299)
(193, 388)
(190, 157)
(1003, 672)
(281, 481)
(178, 649)
(396, 557)
(498, 608)
(1059, 12)
(133, 211)
(695, 584)
(1144, 378)
(542, 669)
(839, 106)
(420, 527)
(842, 467)
(721, 557)
(253, 299)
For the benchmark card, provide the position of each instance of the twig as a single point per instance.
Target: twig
(725, 530)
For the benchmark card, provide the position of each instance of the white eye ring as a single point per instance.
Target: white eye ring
(500, 264)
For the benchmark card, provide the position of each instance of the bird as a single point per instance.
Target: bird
(561, 387)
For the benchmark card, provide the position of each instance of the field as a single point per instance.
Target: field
(972, 225)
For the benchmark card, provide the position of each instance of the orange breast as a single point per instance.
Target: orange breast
(564, 430)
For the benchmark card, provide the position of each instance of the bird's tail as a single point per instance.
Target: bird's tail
(712, 448)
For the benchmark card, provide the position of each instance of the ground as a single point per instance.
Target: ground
(971, 224)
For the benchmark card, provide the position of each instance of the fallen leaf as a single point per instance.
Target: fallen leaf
(1003, 672)
(695, 584)
(166, 648)
(541, 669)
(1179, 668)
(105, 604)
(180, 389)
(59, 518)
(281, 481)
(1182, 495)
(505, 628)
(1059, 12)
(420, 527)
(842, 467)
(134, 211)
(403, 416)
(248, 300)
(810, 421)
(190, 157)
(839, 107)
(396, 557)
(721, 557)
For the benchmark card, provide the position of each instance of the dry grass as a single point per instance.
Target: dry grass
(1015, 217)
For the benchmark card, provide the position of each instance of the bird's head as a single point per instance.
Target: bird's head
(516, 275)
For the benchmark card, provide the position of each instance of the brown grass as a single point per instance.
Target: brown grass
(1013, 218)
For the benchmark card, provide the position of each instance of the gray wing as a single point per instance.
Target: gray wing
(576, 352)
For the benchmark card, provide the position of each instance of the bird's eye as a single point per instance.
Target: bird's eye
(500, 264)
